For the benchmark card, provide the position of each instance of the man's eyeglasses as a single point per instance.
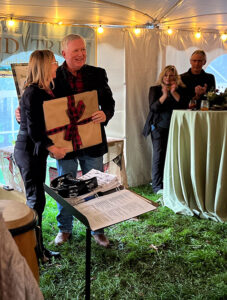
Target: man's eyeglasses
(197, 60)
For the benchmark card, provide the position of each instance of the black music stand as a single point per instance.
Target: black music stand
(122, 198)
(84, 220)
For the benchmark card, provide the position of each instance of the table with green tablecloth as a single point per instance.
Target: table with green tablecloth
(195, 174)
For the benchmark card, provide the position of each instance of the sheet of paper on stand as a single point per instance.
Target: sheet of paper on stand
(113, 208)
(68, 121)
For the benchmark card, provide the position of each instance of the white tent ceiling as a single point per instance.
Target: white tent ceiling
(206, 15)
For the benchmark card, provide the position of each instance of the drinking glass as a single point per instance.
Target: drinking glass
(204, 105)
(192, 104)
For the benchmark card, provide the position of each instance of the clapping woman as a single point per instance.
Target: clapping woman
(32, 145)
(169, 94)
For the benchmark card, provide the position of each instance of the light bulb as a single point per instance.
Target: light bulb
(137, 31)
(224, 37)
(169, 31)
(198, 35)
(11, 22)
(100, 29)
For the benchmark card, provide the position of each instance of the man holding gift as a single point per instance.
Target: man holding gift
(75, 76)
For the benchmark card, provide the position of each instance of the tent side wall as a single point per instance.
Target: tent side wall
(111, 57)
(146, 55)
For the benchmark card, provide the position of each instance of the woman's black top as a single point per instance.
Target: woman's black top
(160, 113)
(32, 136)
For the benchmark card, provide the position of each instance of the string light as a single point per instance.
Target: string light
(137, 31)
(11, 22)
(169, 31)
(198, 35)
(100, 29)
(224, 37)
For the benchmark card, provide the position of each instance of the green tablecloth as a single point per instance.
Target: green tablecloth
(195, 174)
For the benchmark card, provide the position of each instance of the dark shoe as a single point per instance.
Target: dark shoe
(49, 253)
(62, 237)
(101, 240)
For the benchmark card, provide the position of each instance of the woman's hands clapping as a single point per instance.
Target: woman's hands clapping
(173, 87)
(173, 91)
(164, 93)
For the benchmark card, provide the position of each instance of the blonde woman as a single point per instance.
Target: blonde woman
(32, 145)
(169, 94)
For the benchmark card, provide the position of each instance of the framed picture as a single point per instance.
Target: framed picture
(19, 71)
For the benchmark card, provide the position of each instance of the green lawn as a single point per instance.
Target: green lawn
(160, 256)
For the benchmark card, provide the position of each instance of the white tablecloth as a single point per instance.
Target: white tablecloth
(113, 163)
(195, 174)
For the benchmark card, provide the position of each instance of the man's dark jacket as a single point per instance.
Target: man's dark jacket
(192, 80)
(94, 78)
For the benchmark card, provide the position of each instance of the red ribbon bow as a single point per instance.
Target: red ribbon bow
(74, 113)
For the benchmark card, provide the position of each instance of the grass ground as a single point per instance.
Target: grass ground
(160, 256)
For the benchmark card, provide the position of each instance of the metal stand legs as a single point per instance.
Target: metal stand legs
(88, 264)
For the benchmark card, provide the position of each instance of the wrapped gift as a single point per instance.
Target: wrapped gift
(68, 121)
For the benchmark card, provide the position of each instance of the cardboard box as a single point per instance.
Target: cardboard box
(58, 121)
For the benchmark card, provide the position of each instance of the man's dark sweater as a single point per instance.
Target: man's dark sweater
(192, 80)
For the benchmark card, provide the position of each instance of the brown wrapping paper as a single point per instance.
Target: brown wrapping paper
(55, 114)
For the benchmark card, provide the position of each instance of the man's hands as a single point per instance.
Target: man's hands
(98, 116)
(200, 90)
(57, 152)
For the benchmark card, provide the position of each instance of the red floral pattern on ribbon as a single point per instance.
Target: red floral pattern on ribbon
(74, 112)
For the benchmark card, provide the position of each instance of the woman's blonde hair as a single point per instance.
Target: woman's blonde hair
(39, 69)
(172, 69)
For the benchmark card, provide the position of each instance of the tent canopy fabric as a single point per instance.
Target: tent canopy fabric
(177, 14)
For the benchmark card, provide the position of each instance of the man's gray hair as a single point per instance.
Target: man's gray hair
(200, 52)
(71, 37)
